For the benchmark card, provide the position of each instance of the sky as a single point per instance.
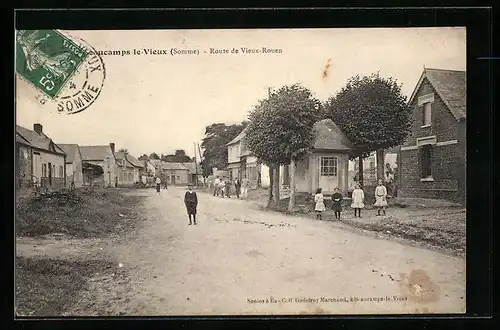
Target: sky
(159, 103)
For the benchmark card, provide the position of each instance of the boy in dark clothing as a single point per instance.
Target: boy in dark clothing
(237, 186)
(191, 202)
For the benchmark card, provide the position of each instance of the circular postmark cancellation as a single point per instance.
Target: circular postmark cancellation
(66, 71)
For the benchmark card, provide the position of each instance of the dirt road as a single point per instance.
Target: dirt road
(241, 260)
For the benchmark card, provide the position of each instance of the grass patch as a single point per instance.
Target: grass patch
(49, 287)
(82, 213)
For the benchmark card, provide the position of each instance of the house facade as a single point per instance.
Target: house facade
(244, 165)
(99, 165)
(327, 165)
(39, 161)
(195, 173)
(129, 169)
(432, 162)
(74, 169)
(175, 173)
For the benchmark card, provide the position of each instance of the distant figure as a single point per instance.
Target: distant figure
(165, 184)
(320, 205)
(237, 187)
(158, 183)
(216, 186)
(222, 187)
(191, 202)
(227, 188)
(244, 188)
(380, 197)
(358, 200)
(337, 203)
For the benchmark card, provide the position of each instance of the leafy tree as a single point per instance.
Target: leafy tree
(154, 155)
(144, 157)
(178, 157)
(281, 130)
(373, 114)
(214, 145)
(123, 150)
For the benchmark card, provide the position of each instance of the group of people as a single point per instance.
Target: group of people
(357, 202)
(222, 187)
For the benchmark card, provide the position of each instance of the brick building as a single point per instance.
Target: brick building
(432, 161)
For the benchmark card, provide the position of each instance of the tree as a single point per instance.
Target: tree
(374, 115)
(154, 155)
(123, 150)
(214, 145)
(281, 131)
(178, 157)
(144, 157)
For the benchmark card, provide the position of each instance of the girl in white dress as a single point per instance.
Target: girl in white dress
(380, 197)
(320, 205)
(358, 200)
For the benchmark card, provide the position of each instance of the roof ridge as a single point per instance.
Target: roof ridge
(450, 70)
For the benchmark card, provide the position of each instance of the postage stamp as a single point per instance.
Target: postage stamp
(64, 70)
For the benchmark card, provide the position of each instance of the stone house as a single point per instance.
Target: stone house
(432, 162)
(129, 169)
(175, 173)
(39, 161)
(99, 165)
(74, 169)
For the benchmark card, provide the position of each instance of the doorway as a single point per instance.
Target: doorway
(328, 173)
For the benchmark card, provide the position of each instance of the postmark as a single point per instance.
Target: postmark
(66, 72)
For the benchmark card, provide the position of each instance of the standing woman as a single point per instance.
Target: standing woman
(320, 205)
(380, 197)
(228, 188)
(191, 202)
(244, 188)
(358, 200)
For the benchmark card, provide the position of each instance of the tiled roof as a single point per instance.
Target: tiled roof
(173, 166)
(330, 137)
(70, 150)
(40, 141)
(192, 168)
(131, 160)
(450, 85)
(95, 152)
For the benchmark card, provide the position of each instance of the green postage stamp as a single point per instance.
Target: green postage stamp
(64, 70)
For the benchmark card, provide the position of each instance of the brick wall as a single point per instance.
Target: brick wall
(448, 161)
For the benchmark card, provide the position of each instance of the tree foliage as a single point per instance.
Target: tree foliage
(214, 144)
(281, 126)
(143, 157)
(154, 155)
(178, 157)
(372, 112)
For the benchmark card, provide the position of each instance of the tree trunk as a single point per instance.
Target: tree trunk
(277, 183)
(271, 177)
(291, 204)
(380, 164)
(360, 171)
(259, 174)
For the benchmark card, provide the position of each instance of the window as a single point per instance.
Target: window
(61, 172)
(130, 177)
(53, 170)
(426, 160)
(426, 114)
(44, 170)
(328, 166)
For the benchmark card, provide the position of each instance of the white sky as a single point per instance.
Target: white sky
(161, 103)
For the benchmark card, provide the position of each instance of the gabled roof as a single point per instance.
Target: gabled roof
(95, 152)
(35, 140)
(450, 85)
(192, 168)
(173, 166)
(330, 137)
(70, 150)
(130, 160)
(238, 137)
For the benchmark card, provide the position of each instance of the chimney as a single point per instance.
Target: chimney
(37, 128)
(112, 146)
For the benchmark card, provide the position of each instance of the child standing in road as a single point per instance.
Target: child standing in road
(191, 202)
(337, 203)
(358, 200)
(380, 197)
(320, 205)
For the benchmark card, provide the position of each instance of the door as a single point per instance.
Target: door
(50, 174)
(328, 173)
(172, 179)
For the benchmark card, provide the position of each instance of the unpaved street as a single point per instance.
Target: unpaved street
(239, 257)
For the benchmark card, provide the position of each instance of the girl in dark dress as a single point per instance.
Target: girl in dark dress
(337, 203)
(191, 202)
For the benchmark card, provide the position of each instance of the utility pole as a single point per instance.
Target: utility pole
(195, 165)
